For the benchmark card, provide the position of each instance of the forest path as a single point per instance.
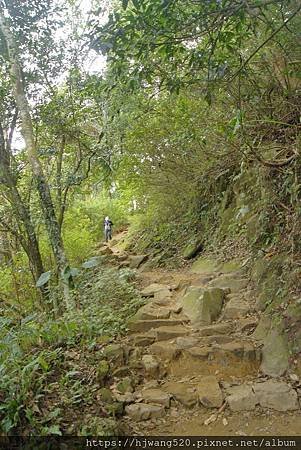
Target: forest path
(193, 357)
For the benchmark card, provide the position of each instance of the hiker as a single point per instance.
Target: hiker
(108, 228)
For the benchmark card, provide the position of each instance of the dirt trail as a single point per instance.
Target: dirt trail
(176, 355)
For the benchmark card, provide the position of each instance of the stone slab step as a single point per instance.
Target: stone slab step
(152, 312)
(226, 352)
(184, 393)
(142, 340)
(165, 350)
(165, 333)
(219, 328)
(136, 326)
(154, 288)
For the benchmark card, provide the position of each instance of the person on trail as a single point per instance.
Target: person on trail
(108, 228)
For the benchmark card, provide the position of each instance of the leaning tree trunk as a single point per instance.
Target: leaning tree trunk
(51, 222)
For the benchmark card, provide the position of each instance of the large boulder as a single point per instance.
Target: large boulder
(276, 395)
(201, 306)
(275, 353)
(209, 392)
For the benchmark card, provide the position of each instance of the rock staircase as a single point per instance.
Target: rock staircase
(192, 345)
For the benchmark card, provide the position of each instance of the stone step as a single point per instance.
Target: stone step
(184, 393)
(271, 394)
(235, 358)
(136, 326)
(218, 328)
(154, 289)
(231, 282)
(164, 333)
(236, 308)
(152, 312)
(142, 340)
(165, 350)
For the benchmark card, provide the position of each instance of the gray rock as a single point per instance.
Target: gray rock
(219, 328)
(151, 312)
(162, 296)
(136, 261)
(186, 342)
(143, 340)
(236, 308)
(241, 398)
(202, 306)
(136, 326)
(125, 385)
(263, 328)
(150, 365)
(204, 265)
(209, 392)
(229, 281)
(154, 288)
(192, 249)
(156, 396)
(275, 354)
(247, 325)
(165, 350)
(182, 392)
(170, 332)
(140, 411)
(236, 350)
(276, 395)
(216, 339)
(201, 353)
(115, 353)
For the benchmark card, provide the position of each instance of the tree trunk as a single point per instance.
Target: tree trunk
(51, 222)
(21, 213)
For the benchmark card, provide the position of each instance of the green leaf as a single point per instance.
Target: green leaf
(44, 278)
(70, 272)
(125, 3)
(54, 429)
(90, 263)
(43, 363)
(74, 271)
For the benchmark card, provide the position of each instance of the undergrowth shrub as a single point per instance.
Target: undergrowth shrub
(32, 350)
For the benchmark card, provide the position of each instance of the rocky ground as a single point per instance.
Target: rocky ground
(198, 359)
